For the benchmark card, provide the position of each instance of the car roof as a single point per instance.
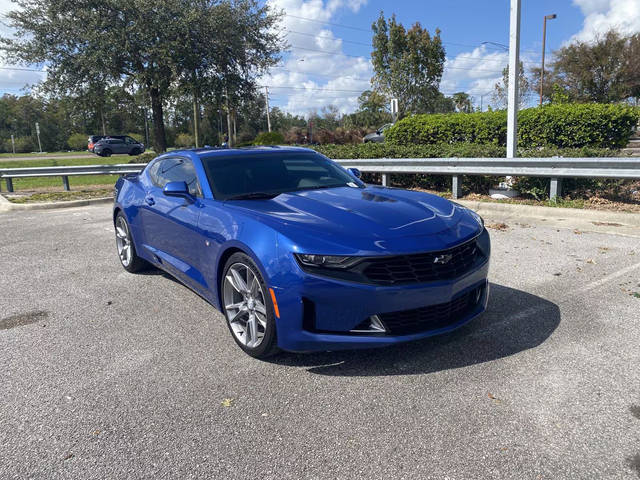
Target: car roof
(226, 152)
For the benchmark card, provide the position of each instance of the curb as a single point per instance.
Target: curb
(557, 213)
(7, 206)
(624, 218)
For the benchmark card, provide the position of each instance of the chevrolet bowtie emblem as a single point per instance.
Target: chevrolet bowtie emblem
(442, 259)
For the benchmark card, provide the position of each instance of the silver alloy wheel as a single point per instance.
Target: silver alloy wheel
(244, 304)
(123, 241)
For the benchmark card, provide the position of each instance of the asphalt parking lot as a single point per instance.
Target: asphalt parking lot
(104, 374)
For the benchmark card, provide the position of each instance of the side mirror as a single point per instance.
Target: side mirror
(355, 172)
(176, 189)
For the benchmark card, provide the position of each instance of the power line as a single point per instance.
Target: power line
(351, 27)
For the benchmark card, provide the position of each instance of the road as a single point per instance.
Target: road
(105, 374)
(48, 157)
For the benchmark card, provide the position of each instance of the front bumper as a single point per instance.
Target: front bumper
(339, 307)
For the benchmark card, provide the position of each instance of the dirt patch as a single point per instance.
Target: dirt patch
(51, 196)
(22, 319)
(498, 226)
(635, 411)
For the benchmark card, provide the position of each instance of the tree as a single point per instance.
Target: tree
(462, 101)
(407, 65)
(500, 92)
(153, 44)
(605, 70)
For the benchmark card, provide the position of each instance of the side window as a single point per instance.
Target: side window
(178, 170)
(130, 140)
(154, 171)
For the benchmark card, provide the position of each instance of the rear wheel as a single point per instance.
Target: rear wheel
(106, 153)
(126, 249)
(248, 307)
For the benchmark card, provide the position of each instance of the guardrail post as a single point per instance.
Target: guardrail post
(555, 190)
(65, 182)
(385, 180)
(9, 184)
(456, 186)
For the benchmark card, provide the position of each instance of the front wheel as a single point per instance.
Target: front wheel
(126, 249)
(248, 307)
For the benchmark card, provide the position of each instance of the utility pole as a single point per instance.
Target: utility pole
(38, 134)
(505, 189)
(544, 40)
(514, 76)
(13, 143)
(266, 98)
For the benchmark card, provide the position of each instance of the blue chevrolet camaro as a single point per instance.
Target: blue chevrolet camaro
(298, 253)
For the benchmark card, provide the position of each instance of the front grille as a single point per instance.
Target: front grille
(423, 267)
(432, 317)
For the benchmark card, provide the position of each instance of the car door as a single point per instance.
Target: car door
(170, 224)
(119, 146)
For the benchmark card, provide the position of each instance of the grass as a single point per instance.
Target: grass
(44, 154)
(49, 182)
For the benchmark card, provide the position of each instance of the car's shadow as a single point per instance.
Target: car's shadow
(514, 321)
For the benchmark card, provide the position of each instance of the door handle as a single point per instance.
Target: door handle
(150, 201)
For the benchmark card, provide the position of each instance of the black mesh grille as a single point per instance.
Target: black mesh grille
(433, 316)
(423, 267)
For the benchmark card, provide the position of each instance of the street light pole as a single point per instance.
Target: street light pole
(505, 189)
(544, 39)
(266, 97)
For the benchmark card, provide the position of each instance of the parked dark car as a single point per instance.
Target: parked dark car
(118, 144)
(92, 140)
(378, 135)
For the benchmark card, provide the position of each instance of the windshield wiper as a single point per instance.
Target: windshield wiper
(254, 196)
(319, 187)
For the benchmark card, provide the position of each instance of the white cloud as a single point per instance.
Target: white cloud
(474, 72)
(318, 79)
(14, 78)
(603, 15)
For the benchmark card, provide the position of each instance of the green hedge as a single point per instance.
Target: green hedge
(462, 150)
(269, 138)
(564, 126)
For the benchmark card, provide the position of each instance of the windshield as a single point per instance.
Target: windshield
(263, 175)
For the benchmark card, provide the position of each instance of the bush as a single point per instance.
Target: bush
(137, 136)
(77, 141)
(184, 140)
(269, 138)
(385, 150)
(23, 145)
(577, 125)
(564, 126)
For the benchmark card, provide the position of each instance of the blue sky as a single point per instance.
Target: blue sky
(328, 63)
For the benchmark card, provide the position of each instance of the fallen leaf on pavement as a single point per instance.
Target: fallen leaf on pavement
(227, 402)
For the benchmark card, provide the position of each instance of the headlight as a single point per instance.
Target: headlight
(326, 261)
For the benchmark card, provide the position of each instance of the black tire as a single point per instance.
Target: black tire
(269, 343)
(135, 151)
(132, 263)
(106, 153)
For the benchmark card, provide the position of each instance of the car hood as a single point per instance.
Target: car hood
(371, 219)
(371, 135)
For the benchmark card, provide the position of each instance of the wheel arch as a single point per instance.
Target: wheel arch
(227, 252)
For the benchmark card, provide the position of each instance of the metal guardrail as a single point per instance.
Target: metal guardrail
(8, 174)
(554, 168)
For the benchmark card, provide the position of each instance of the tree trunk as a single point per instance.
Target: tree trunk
(196, 121)
(159, 136)
(229, 132)
(104, 126)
